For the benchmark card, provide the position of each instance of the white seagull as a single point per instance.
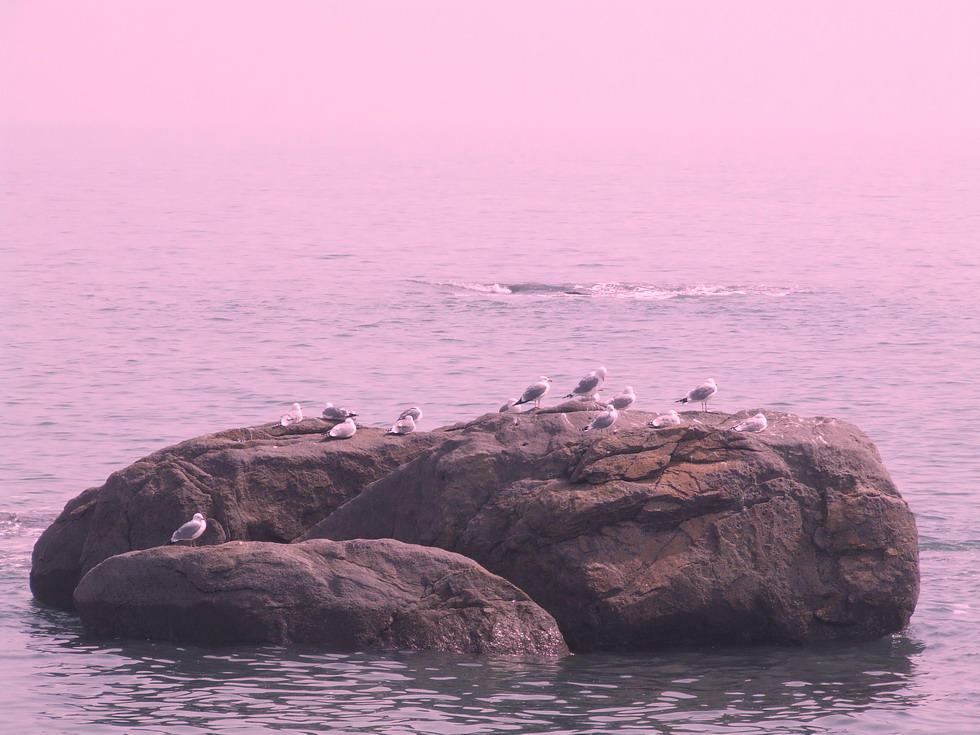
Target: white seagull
(755, 423)
(190, 530)
(604, 420)
(535, 392)
(345, 429)
(701, 394)
(671, 418)
(334, 412)
(292, 416)
(415, 412)
(589, 385)
(623, 400)
(509, 407)
(404, 425)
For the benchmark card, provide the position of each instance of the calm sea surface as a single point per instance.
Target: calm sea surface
(157, 290)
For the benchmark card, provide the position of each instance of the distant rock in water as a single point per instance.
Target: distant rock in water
(644, 539)
(342, 595)
(266, 483)
(636, 539)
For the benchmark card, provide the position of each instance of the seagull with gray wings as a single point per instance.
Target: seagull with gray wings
(603, 421)
(701, 394)
(589, 385)
(535, 392)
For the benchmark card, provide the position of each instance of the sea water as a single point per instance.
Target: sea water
(159, 288)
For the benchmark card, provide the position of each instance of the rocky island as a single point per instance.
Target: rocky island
(512, 533)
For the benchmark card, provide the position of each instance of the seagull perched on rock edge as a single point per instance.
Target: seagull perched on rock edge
(701, 394)
(190, 530)
(535, 392)
(603, 421)
(589, 385)
(622, 401)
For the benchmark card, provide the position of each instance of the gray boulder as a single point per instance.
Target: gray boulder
(266, 483)
(340, 595)
(640, 538)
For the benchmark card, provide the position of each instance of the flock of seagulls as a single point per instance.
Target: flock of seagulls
(587, 389)
(404, 424)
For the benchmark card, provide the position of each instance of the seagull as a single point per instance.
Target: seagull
(623, 400)
(333, 412)
(604, 420)
(590, 384)
(415, 412)
(756, 423)
(701, 394)
(404, 425)
(509, 407)
(535, 392)
(292, 416)
(190, 530)
(671, 418)
(345, 429)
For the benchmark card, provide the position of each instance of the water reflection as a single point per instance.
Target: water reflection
(163, 688)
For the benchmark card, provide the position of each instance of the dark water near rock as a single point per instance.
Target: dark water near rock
(157, 292)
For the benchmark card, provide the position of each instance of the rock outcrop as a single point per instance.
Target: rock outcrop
(265, 483)
(341, 595)
(632, 538)
(642, 538)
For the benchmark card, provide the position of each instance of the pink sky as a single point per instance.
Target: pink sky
(637, 67)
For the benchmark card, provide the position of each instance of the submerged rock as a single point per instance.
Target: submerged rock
(267, 483)
(341, 595)
(642, 538)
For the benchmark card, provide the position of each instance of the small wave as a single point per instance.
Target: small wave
(615, 289)
(479, 287)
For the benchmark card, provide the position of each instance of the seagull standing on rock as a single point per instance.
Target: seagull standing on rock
(190, 530)
(755, 423)
(589, 385)
(535, 392)
(292, 416)
(623, 400)
(701, 394)
(345, 429)
(604, 420)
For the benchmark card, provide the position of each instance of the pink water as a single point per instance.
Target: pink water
(157, 289)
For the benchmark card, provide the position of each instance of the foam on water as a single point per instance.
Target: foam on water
(617, 290)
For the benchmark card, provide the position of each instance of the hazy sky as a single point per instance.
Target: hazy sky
(450, 65)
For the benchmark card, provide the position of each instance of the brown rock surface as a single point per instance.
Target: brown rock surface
(643, 538)
(266, 483)
(341, 595)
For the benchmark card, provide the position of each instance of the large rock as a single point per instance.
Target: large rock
(265, 483)
(343, 596)
(643, 538)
